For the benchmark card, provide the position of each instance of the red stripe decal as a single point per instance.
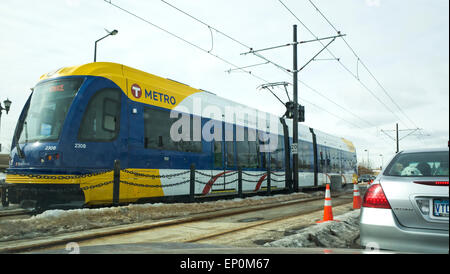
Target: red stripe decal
(208, 186)
(258, 185)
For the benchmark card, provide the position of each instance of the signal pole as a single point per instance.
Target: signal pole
(294, 106)
(295, 122)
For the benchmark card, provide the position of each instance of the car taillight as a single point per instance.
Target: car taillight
(375, 197)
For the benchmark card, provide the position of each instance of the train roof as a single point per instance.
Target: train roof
(187, 98)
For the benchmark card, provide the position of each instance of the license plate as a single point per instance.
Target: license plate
(440, 207)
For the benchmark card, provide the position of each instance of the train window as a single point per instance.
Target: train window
(194, 146)
(110, 111)
(305, 156)
(334, 157)
(230, 153)
(101, 119)
(253, 161)
(277, 156)
(157, 124)
(301, 155)
(49, 104)
(328, 161)
(187, 145)
(347, 161)
(332, 160)
(247, 150)
(242, 149)
(157, 129)
(324, 158)
(349, 166)
(218, 159)
(321, 159)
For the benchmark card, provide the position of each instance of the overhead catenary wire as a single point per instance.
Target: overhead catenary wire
(363, 64)
(285, 70)
(343, 66)
(249, 66)
(201, 22)
(217, 56)
(269, 61)
(212, 40)
(174, 35)
(325, 97)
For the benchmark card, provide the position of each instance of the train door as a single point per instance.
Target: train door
(150, 148)
(102, 135)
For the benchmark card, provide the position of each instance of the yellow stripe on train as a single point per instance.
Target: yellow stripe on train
(139, 86)
(96, 193)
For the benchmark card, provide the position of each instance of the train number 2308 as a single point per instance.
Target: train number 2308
(78, 145)
(50, 147)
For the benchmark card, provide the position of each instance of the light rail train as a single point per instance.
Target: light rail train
(79, 120)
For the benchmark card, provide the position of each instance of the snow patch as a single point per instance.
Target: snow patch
(329, 234)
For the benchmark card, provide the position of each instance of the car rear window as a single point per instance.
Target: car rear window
(419, 164)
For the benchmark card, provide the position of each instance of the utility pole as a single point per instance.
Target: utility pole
(293, 109)
(397, 139)
(295, 133)
(396, 133)
(368, 161)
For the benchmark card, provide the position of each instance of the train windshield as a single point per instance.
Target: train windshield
(48, 109)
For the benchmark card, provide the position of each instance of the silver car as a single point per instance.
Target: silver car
(406, 208)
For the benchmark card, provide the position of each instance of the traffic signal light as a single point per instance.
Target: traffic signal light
(290, 111)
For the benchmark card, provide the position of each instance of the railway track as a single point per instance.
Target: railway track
(194, 228)
(17, 213)
(267, 223)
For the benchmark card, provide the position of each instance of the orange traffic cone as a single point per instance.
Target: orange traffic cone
(327, 209)
(356, 197)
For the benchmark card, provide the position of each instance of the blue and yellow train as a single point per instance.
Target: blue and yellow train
(79, 120)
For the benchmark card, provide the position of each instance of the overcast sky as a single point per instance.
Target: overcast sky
(403, 43)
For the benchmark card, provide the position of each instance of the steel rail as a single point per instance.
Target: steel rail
(15, 212)
(18, 246)
(261, 223)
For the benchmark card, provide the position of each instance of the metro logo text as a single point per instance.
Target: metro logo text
(160, 97)
(153, 95)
